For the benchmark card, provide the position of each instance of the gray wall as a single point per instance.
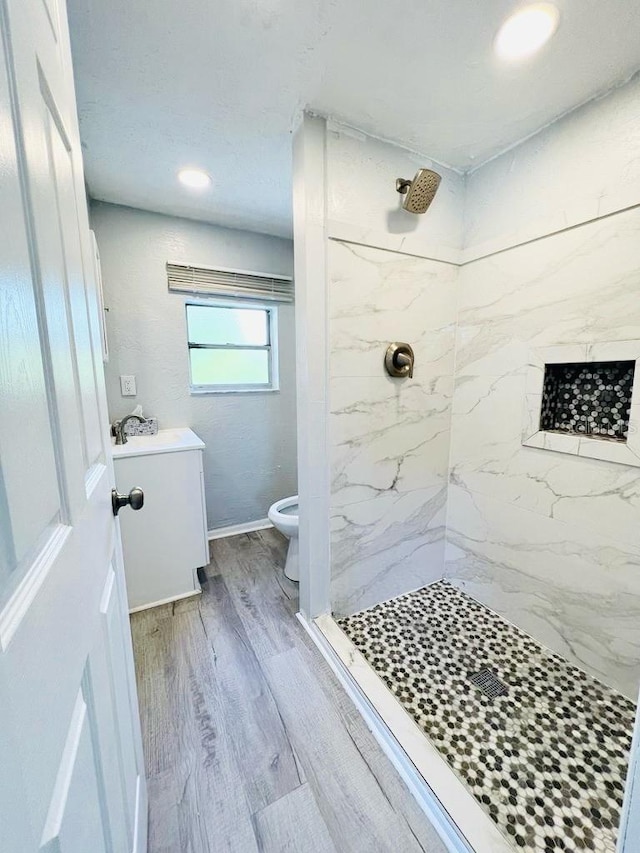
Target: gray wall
(250, 460)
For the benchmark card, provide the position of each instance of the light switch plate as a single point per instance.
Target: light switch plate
(128, 386)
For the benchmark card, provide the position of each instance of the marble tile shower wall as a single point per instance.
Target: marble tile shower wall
(389, 438)
(548, 540)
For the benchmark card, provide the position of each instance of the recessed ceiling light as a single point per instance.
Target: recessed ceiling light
(195, 179)
(526, 31)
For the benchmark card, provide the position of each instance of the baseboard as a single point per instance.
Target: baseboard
(236, 529)
(166, 600)
(451, 837)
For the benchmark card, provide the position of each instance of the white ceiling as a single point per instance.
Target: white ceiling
(217, 85)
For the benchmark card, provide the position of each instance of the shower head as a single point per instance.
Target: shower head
(420, 191)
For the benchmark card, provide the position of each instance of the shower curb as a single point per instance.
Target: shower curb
(443, 824)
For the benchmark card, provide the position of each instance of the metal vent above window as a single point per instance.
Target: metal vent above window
(225, 282)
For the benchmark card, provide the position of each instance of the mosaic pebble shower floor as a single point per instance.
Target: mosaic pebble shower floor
(547, 760)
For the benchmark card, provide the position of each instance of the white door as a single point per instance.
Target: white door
(71, 772)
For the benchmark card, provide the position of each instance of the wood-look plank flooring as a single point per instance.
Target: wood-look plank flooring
(250, 742)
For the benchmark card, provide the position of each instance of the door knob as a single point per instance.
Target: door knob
(398, 360)
(135, 499)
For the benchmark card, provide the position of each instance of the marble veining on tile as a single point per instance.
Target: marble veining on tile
(389, 438)
(573, 589)
(548, 539)
(547, 760)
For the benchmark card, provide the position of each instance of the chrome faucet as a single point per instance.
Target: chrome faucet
(118, 427)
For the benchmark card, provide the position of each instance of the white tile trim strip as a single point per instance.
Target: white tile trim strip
(550, 226)
(452, 810)
(236, 529)
(408, 245)
(401, 243)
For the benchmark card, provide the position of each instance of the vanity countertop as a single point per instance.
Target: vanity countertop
(165, 441)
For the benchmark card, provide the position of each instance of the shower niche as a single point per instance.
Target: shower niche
(588, 398)
(581, 399)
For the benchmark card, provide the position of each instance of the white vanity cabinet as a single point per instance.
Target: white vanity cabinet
(165, 542)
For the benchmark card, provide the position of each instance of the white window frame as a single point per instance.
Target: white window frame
(272, 346)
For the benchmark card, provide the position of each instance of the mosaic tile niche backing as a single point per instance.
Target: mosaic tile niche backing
(547, 758)
(589, 399)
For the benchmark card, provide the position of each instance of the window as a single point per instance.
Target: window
(231, 347)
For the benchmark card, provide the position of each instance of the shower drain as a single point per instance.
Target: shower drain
(489, 683)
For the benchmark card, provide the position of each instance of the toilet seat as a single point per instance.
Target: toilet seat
(286, 522)
(278, 506)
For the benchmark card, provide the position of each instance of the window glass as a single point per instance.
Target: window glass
(229, 367)
(230, 347)
(211, 324)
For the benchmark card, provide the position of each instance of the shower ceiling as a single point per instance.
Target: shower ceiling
(166, 84)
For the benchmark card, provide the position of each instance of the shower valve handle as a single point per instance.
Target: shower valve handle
(398, 360)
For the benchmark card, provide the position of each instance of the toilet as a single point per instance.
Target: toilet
(284, 517)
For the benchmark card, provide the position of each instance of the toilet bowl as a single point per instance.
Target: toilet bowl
(284, 517)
